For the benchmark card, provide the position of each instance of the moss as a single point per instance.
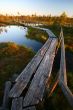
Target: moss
(37, 34)
(13, 59)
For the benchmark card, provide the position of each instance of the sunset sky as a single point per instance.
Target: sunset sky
(40, 7)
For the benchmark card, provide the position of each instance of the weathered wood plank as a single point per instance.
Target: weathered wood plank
(17, 103)
(35, 61)
(67, 92)
(27, 73)
(36, 90)
(30, 108)
(63, 75)
(1, 108)
(6, 94)
(4, 108)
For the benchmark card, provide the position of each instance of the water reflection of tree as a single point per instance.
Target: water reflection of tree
(3, 29)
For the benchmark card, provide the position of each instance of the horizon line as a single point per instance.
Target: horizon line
(34, 14)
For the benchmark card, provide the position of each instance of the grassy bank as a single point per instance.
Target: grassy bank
(13, 59)
(37, 34)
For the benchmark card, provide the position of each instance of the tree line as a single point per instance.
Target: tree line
(63, 19)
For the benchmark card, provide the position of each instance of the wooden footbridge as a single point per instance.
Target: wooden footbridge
(28, 89)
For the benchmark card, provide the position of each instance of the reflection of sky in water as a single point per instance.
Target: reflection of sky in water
(17, 34)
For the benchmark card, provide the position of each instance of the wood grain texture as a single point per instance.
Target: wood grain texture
(17, 104)
(6, 94)
(62, 75)
(25, 76)
(68, 94)
(38, 84)
(35, 61)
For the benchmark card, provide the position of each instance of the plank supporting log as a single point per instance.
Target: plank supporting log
(67, 92)
(17, 103)
(6, 94)
(62, 75)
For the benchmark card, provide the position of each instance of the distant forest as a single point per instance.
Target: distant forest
(63, 19)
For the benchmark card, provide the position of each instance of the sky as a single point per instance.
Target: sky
(40, 7)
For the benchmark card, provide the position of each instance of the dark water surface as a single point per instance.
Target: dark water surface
(17, 34)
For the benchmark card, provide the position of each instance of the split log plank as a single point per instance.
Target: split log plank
(6, 94)
(62, 75)
(36, 90)
(35, 61)
(68, 94)
(25, 76)
(17, 103)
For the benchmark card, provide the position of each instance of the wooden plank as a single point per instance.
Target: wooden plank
(4, 109)
(30, 108)
(36, 90)
(50, 33)
(6, 94)
(1, 108)
(35, 61)
(62, 75)
(17, 103)
(67, 92)
(27, 73)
